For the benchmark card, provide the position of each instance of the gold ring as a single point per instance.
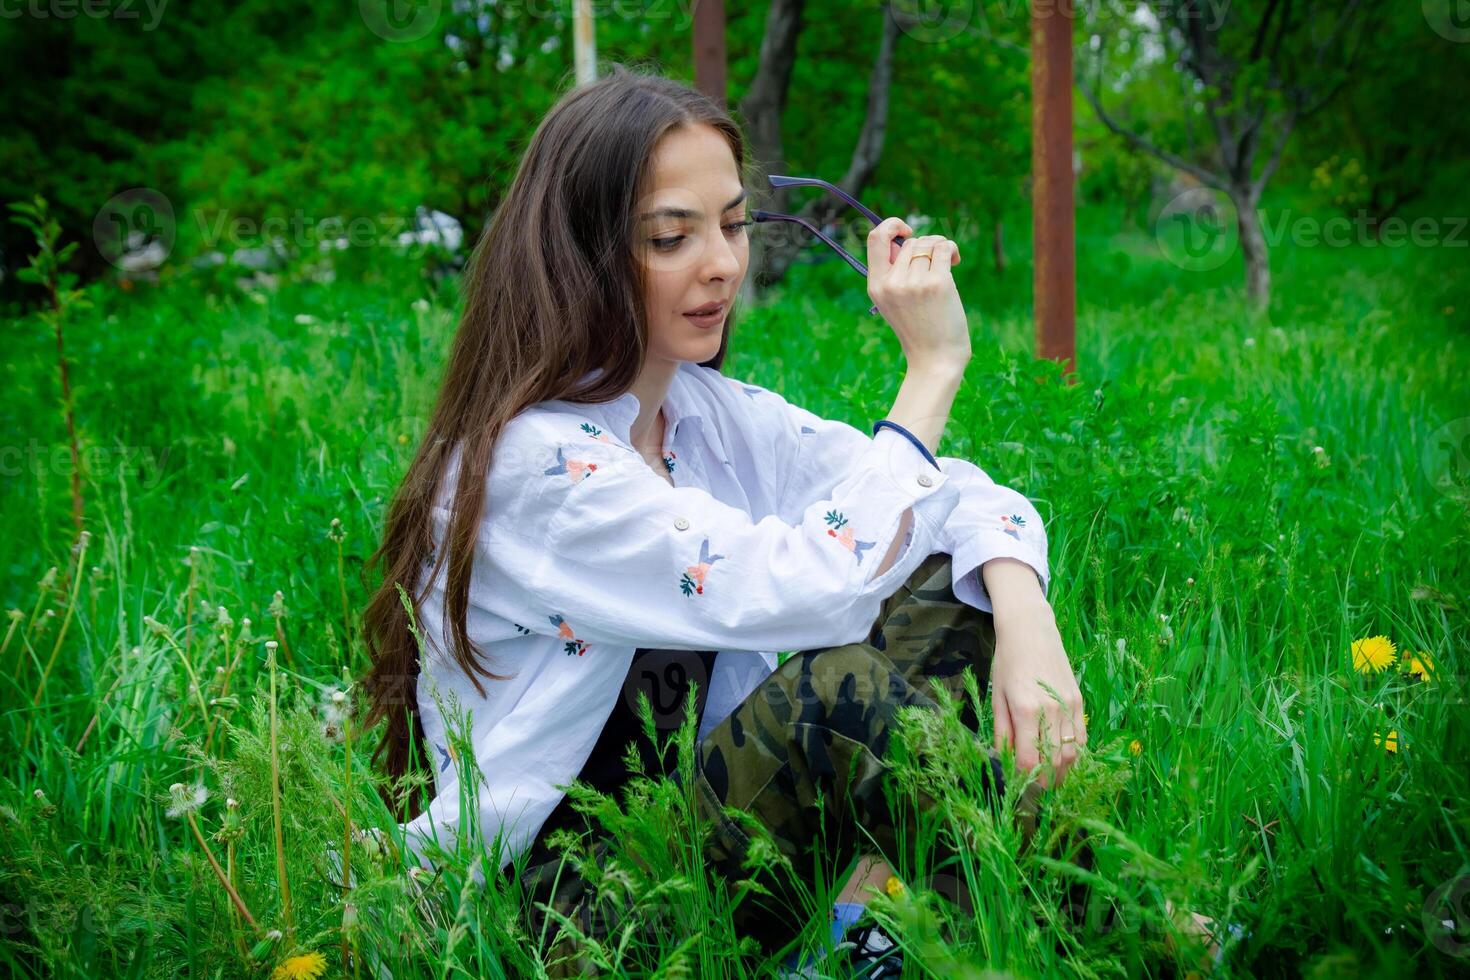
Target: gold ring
(924, 255)
(1068, 738)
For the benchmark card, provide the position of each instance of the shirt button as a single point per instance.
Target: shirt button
(925, 480)
(681, 524)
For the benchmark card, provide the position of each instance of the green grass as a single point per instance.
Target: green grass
(1210, 573)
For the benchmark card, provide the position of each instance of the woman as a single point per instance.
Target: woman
(648, 517)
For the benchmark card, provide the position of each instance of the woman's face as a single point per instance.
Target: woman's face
(692, 239)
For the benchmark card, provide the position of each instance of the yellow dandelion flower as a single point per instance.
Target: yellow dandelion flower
(1374, 653)
(1390, 743)
(1135, 746)
(893, 886)
(1421, 666)
(307, 966)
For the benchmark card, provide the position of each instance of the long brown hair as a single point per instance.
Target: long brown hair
(553, 289)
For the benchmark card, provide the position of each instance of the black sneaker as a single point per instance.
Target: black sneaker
(872, 953)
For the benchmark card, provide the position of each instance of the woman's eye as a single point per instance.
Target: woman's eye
(664, 244)
(740, 225)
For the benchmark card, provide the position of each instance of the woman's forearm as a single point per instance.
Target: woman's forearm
(922, 407)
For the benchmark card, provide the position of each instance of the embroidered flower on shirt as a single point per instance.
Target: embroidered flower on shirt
(839, 523)
(669, 460)
(693, 579)
(577, 469)
(595, 432)
(445, 753)
(1012, 524)
(564, 632)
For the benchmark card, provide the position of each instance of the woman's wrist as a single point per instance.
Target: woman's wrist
(1014, 589)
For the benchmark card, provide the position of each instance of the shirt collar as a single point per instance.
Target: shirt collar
(622, 412)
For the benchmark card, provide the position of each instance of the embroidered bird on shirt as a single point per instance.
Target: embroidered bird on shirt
(564, 632)
(693, 580)
(577, 469)
(845, 537)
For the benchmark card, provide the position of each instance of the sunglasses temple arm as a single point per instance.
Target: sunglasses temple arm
(778, 180)
(772, 216)
(848, 258)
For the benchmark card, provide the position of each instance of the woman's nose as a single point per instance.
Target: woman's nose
(721, 259)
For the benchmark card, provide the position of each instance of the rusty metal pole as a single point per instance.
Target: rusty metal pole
(709, 48)
(584, 42)
(1053, 221)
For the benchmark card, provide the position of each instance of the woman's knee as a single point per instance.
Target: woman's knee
(850, 688)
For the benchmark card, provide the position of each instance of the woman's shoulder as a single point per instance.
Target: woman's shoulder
(743, 398)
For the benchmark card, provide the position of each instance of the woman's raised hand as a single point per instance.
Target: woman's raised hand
(917, 296)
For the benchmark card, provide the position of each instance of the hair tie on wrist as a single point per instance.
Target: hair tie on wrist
(888, 424)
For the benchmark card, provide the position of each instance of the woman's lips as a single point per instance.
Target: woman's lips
(708, 319)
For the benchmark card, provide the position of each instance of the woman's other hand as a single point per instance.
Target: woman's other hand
(1028, 655)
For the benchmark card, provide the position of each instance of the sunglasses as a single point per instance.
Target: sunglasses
(780, 181)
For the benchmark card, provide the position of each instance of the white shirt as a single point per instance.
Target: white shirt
(767, 541)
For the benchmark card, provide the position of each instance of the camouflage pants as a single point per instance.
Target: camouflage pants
(818, 725)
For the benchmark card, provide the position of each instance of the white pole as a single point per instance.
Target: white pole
(585, 42)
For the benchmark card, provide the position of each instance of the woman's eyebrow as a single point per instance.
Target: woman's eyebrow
(686, 212)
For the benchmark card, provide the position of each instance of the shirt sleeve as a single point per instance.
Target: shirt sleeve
(989, 521)
(583, 541)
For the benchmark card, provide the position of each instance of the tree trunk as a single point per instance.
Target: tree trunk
(997, 246)
(763, 106)
(761, 109)
(1253, 247)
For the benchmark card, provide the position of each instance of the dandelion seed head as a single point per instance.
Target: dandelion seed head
(185, 799)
